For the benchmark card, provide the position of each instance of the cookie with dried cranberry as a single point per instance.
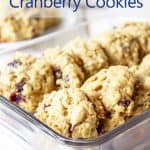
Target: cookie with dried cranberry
(140, 31)
(67, 68)
(27, 80)
(25, 24)
(15, 70)
(121, 48)
(16, 29)
(69, 112)
(90, 52)
(114, 87)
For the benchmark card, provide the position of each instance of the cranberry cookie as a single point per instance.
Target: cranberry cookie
(114, 87)
(26, 81)
(67, 68)
(69, 112)
(90, 52)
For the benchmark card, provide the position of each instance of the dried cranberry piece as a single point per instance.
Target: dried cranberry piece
(124, 102)
(16, 97)
(19, 86)
(107, 114)
(66, 78)
(57, 71)
(14, 63)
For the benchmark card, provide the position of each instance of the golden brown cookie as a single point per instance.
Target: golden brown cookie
(140, 31)
(90, 52)
(144, 71)
(69, 113)
(121, 48)
(22, 24)
(142, 88)
(68, 72)
(114, 87)
(27, 80)
(142, 98)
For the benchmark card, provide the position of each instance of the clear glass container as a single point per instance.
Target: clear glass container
(33, 134)
(30, 132)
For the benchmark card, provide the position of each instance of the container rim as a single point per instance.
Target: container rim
(76, 142)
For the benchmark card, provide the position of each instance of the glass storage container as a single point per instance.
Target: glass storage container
(32, 134)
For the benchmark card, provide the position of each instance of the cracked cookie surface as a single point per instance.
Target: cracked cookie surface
(114, 87)
(69, 113)
(140, 31)
(142, 88)
(121, 48)
(90, 52)
(26, 80)
(22, 24)
(67, 69)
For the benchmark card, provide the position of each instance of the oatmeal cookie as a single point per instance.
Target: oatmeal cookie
(90, 52)
(25, 24)
(142, 98)
(139, 30)
(27, 80)
(16, 29)
(68, 112)
(142, 88)
(144, 71)
(115, 88)
(121, 48)
(67, 69)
